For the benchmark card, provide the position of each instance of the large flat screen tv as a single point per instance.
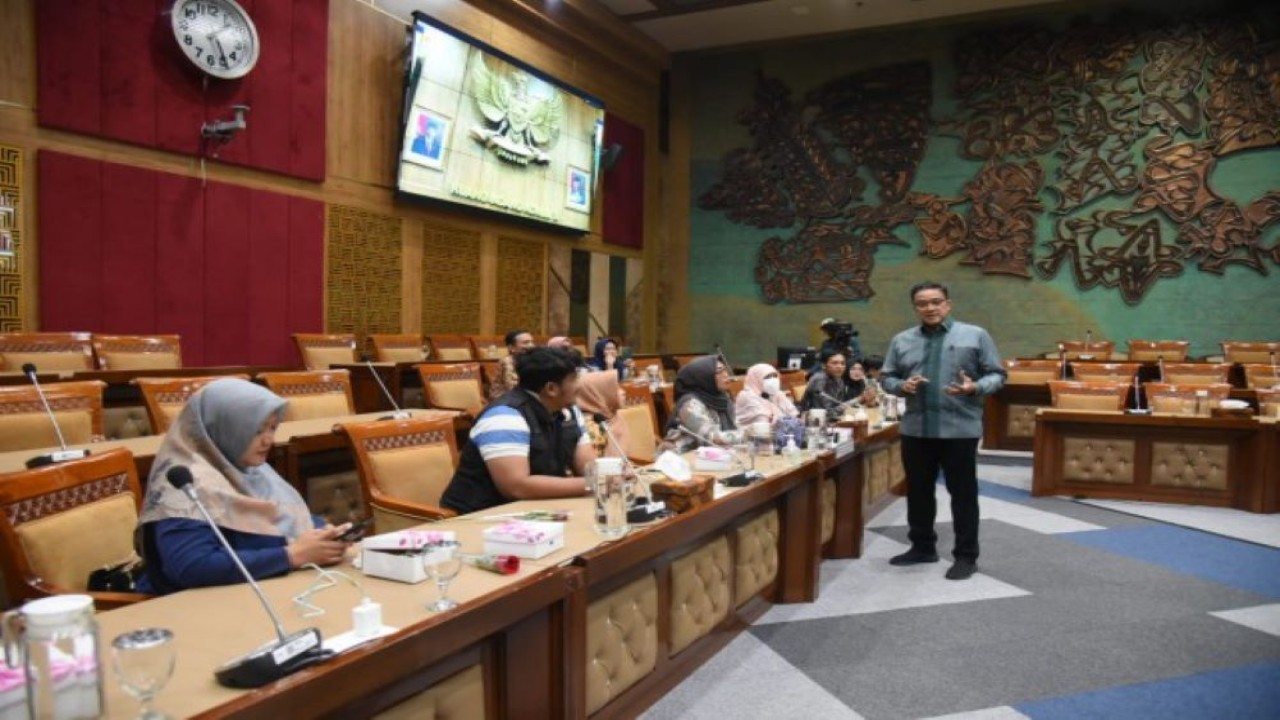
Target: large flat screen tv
(485, 131)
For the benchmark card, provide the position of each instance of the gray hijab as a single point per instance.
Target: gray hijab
(213, 430)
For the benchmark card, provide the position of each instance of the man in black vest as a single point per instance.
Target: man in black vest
(523, 446)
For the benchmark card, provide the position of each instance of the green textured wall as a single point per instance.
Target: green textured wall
(1026, 316)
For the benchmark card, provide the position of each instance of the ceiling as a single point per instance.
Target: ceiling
(680, 25)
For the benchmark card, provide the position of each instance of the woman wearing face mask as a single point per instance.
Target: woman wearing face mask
(762, 398)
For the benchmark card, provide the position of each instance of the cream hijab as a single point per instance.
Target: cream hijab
(598, 392)
(213, 430)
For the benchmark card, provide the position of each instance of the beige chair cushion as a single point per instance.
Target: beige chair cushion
(399, 355)
(700, 589)
(46, 361)
(463, 394)
(307, 407)
(418, 474)
(453, 353)
(1031, 377)
(320, 358)
(640, 436)
(27, 431)
(1175, 378)
(458, 697)
(622, 640)
(1248, 356)
(139, 360)
(1073, 401)
(64, 548)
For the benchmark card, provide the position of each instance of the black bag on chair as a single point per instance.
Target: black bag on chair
(116, 578)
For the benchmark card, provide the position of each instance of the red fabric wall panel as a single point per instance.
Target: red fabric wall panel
(267, 268)
(226, 274)
(232, 270)
(623, 185)
(179, 275)
(69, 64)
(128, 90)
(70, 246)
(306, 261)
(110, 68)
(310, 86)
(128, 240)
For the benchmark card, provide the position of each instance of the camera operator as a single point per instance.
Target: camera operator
(841, 338)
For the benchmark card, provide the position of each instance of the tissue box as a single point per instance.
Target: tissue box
(712, 459)
(524, 538)
(398, 556)
(682, 496)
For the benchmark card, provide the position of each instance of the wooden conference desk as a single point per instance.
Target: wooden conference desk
(1229, 462)
(598, 629)
(1009, 417)
(295, 442)
(121, 391)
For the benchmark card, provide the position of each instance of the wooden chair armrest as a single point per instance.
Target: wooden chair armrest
(412, 509)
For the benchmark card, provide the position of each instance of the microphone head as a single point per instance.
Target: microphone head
(28, 368)
(600, 419)
(179, 476)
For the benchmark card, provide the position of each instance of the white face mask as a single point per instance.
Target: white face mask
(772, 386)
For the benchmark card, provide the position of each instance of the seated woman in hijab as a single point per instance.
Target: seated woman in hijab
(223, 436)
(702, 407)
(599, 394)
(830, 387)
(865, 388)
(762, 398)
(605, 357)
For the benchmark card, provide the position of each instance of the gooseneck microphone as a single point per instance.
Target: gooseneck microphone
(398, 414)
(842, 404)
(63, 454)
(285, 655)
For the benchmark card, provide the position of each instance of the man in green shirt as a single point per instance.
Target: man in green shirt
(943, 368)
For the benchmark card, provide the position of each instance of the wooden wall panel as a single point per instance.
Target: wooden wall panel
(450, 281)
(13, 271)
(363, 290)
(521, 286)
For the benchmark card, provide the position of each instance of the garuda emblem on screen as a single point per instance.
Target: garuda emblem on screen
(520, 122)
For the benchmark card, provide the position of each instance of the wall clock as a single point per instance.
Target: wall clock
(217, 35)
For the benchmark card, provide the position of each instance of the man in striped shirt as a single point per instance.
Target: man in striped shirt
(943, 368)
(524, 445)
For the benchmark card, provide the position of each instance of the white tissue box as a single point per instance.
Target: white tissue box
(398, 556)
(524, 538)
(712, 459)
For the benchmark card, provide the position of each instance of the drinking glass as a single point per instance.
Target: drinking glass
(144, 661)
(442, 565)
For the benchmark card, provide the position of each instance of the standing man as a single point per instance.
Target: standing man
(943, 368)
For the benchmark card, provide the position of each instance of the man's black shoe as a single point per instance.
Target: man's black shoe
(962, 570)
(914, 557)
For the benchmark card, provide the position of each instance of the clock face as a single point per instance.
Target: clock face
(216, 35)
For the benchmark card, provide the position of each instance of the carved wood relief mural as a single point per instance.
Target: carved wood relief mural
(1098, 146)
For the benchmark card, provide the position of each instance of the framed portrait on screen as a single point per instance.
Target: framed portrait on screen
(428, 138)
(578, 189)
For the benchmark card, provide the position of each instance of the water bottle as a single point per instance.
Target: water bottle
(53, 643)
(611, 498)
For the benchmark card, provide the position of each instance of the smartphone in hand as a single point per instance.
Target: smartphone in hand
(356, 531)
